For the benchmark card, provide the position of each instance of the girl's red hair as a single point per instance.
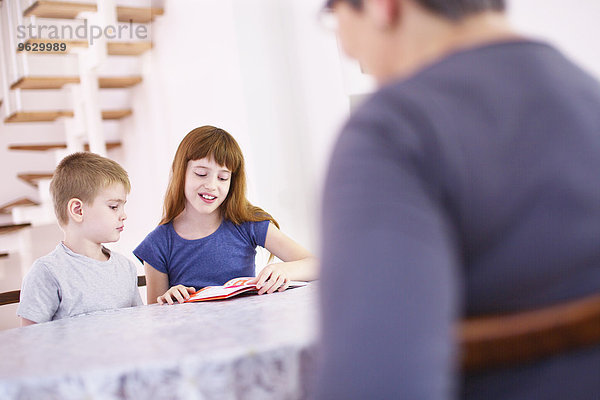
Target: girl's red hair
(210, 142)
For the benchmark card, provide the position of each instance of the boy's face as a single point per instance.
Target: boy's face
(103, 218)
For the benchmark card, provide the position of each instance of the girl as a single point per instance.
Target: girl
(209, 230)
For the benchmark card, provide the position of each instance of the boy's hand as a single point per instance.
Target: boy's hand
(271, 279)
(179, 293)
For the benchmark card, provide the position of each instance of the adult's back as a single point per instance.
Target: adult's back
(509, 142)
(465, 186)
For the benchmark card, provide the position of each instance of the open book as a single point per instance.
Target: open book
(232, 288)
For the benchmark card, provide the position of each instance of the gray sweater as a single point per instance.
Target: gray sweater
(469, 188)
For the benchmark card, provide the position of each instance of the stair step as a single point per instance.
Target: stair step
(43, 82)
(119, 82)
(22, 202)
(116, 114)
(37, 116)
(50, 116)
(138, 14)
(54, 146)
(12, 227)
(68, 10)
(113, 48)
(57, 82)
(128, 48)
(33, 178)
(58, 9)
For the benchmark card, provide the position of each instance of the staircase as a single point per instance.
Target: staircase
(66, 66)
(60, 92)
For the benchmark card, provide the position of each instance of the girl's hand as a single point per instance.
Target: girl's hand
(271, 279)
(179, 293)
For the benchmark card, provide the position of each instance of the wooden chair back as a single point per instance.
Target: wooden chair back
(513, 339)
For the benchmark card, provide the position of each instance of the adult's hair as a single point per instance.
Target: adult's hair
(451, 9)
(215, 143)
(82, 175)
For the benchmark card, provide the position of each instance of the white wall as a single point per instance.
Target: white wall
(294, 103)
(570, 25)
(264, 71)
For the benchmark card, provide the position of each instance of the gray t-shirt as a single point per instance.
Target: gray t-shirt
(64, 284)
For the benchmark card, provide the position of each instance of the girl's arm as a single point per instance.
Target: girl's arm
(157, 287)
(298, 263)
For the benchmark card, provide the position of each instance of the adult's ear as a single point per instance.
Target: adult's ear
(75, 209)
(384, 13)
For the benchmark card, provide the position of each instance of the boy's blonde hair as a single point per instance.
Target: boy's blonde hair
(82, 175)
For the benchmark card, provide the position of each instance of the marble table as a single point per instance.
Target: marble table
(254, 347)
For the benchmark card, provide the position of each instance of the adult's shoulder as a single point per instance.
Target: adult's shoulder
(390, 120)
(393, 133)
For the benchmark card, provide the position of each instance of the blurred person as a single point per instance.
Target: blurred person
(467, 185)
(209, 231)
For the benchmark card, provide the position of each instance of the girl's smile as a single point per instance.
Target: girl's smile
(208, 198)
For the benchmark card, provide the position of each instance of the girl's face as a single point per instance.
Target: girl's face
(206, 185)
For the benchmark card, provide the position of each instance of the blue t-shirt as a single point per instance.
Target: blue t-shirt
(212, 260)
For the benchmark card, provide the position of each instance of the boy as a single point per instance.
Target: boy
(80, 276)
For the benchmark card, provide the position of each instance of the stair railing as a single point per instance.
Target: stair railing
(4, 80)
(24, 62)
(11, 45)
(90, 60)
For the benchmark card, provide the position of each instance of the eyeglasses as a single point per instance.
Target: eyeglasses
(326, 17)
(329, 4)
